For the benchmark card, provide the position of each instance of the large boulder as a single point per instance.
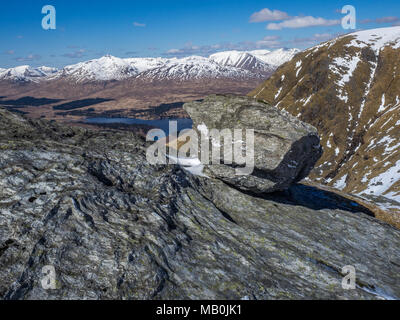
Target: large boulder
(285, 148)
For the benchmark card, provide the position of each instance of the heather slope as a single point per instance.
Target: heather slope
(349, 89)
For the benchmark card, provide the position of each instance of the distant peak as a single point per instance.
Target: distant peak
(109, 57)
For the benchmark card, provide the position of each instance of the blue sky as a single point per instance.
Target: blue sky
(89, 29)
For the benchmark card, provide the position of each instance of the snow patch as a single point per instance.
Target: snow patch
(344, 67)
(341, 183)
(376, 39)
(382, 106)
(381, 183)
(278, 93)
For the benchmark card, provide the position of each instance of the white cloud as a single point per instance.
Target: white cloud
(74, 55)
(390, 19)
(316, 38)
(269, 38)
(174, 51)
(387, 19)
(138, 24)
(302, 22)
(269, 42)
(28, 58)
(190, 49)
(268, 15)
(323, 36)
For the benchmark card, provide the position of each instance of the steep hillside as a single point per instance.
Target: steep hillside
(349, 88)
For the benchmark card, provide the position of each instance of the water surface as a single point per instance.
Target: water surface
(162, 124)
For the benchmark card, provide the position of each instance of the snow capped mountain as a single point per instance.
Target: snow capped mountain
(104, 69)
(377, 39)
(260, 52)
(349, 88)
(231, 58)
(26, 73)
(230, 64)
(47, 71)
(194, 68)
(262, 58)
(242, 60)
(275, 58)
(145, 64)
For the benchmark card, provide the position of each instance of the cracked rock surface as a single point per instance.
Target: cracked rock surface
(115, 227)
(285, 148)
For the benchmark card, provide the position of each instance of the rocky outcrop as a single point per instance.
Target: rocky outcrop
(114, 227)
(285, 149)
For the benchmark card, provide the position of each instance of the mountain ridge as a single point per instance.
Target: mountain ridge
(347, 88)
(110, 68)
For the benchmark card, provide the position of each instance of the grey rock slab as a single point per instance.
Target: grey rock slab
(115, 227)
(285, 149)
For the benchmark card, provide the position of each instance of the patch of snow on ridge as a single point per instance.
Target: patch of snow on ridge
(369, 85)
(344, 68)
(380, 184)
(278, 93)
(277, 57)
(305, 101)
(382, 106)
(376, 38)
(341, 183)
(328, 143)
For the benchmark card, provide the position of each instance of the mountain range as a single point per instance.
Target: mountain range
(348, 88)
(133, 87)
(230, 64)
